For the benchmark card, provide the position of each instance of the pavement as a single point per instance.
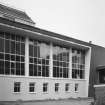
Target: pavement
(54, 102)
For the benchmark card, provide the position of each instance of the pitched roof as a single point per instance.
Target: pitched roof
(15, 14)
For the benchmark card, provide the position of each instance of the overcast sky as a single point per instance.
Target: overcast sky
(80, 19)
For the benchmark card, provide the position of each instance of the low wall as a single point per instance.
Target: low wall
(7, 89)
(78, 101)
(100, 92)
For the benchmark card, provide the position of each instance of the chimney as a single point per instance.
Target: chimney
(90, 42)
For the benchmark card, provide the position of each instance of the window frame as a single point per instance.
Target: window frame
(38, 63)
(17, 86)
(67, 87)
(76, 87)
(45, 87)
(78, 64)
(32, 87)
(10, 55)
(57, 87)
(60, 62)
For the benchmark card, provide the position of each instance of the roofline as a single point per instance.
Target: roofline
(70, 38)
(41, 34)
(43, 31)
(18, 10)
(12, 7)
(18, 17)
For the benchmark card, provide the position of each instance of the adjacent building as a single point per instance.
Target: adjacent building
(36, 64)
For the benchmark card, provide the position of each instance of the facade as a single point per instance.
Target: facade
(36, 64)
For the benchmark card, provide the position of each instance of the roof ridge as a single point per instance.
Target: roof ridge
(12, 7)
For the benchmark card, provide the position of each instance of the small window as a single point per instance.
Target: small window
(56, 87)
(67, 86)
(45, 87)
(17, 87)
(76, 87)
(31, 87)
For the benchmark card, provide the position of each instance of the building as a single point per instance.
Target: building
(36, 64)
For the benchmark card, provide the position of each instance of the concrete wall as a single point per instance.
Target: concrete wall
(7, 88)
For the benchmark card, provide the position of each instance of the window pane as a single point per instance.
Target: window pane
(18, 58)
(7, 56)
(13, 47)
(13, 37)
(35, 60)
(43, 71)
(22, 59)
(17, 48)
(56, 87)
(31, 69)
(22, 69)
(31, 60)
(7, 35)
(7, 46)
(30, 50)
(47, 71)
(13, 57)
(44, 50)
(17, 87)
(40, 58)
(76, 87)
(17, 38)
(31, 87)
(39, 70)
(7, 67)
(1, 67)
(66, 87)
(18, 68)
(2, 34)
(12, 68)
(35, 51)
(22, 39)
(35, 70)
(54, 72)
(1, 56)
(1, 45)
(45, 86)
(22, 49)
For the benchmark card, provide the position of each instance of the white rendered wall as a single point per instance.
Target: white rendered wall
(87, 70)
(7, 83)
(7, 88)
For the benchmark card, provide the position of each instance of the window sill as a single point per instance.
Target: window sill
(56, 92)
(32, 92)
(67, 92)
(16, 92)
(76, 91)
(45, 92)
(36, 77)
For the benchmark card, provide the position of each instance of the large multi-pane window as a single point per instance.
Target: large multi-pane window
(12, 54)
(60, 62)
(39, 58)
(78, 64)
